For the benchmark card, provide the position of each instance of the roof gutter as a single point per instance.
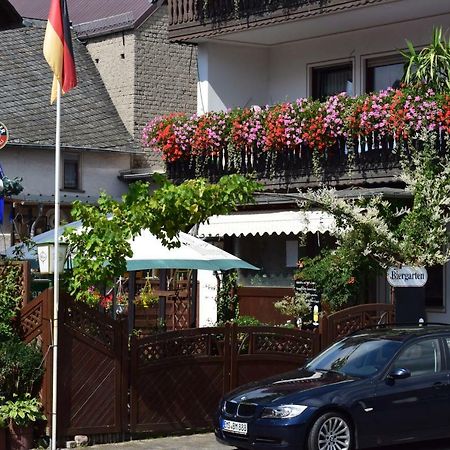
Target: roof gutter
(73, 148)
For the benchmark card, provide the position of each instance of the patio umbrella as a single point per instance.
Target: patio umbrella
(148, 252)
(193, 253)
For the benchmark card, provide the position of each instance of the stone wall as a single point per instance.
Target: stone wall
(114, 56)
(146, 76)
(166, 77)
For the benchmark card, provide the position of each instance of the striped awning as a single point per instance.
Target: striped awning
(271, 222)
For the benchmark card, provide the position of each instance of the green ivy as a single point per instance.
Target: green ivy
(10, 298)
(339, 273)
(227, 299)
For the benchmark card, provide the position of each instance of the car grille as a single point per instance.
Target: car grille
(239, 409)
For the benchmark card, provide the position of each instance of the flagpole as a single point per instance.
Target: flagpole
(55, 269)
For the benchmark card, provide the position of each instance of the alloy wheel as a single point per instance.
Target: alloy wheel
(334, 434)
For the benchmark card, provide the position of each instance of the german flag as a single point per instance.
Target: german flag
(58, 49)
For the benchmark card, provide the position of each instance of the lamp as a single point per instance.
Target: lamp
(46, 256)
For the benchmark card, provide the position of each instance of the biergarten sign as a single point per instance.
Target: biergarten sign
(4, 135)
(407, 276)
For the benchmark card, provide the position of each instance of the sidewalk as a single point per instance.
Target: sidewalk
(205, 441)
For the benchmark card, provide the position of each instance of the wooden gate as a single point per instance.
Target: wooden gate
(35, 326)
(178, 378)
(93, 372)
(92, 365)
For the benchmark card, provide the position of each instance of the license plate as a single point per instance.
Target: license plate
(234, 427)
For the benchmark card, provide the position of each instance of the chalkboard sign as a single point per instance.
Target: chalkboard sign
(313, 298)
(39, 285)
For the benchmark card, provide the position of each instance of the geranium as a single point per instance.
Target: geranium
(325, 123)
(92, 296)
(159, 133)
(372, 114)
(409, 112)
(444, 115)
(247, 128)
(209, 134)
(281, 128)
(413, 112)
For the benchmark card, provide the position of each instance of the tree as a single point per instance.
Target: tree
(100, 251)
(391, 234)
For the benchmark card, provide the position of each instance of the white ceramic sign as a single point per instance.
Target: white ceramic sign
(407, 276)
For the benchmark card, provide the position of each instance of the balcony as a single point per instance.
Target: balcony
(374, 162)
(343, 141)
(199, 19)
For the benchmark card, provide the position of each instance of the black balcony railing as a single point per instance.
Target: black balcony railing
(359, 163)
(216, 10)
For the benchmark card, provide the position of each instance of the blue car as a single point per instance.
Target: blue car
(376, 387)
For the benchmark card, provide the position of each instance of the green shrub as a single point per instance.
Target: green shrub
(20, 368)
(247, 321)
(10, 298)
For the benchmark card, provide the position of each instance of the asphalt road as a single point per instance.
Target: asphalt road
(208, 442)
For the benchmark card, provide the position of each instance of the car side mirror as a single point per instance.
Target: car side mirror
(399, 374)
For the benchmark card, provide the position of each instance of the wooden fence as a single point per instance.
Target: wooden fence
(174, 380)
(177, 378)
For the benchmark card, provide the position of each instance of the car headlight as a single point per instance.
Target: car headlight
(283, 412)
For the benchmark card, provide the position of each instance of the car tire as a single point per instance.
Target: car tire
(331, 431)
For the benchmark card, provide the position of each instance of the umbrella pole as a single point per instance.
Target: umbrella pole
(131, 297)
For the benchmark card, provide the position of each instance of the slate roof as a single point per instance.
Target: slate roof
(89, 119)
(96, 16)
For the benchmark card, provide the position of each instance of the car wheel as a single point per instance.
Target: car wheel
(331, 431)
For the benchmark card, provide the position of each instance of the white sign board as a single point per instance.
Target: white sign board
(407, 276)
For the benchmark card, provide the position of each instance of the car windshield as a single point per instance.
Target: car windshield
(358, 356)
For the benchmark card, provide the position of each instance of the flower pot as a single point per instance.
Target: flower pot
(19, 437)
(2, 438)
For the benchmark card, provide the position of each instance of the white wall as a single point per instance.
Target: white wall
(99, 171)
(231, 75)
(243, 75)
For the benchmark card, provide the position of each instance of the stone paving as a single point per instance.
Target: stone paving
(207, 441)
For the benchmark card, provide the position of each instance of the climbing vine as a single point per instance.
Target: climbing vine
(10, 297)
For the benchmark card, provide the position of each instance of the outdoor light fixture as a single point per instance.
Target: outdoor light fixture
(46, 257)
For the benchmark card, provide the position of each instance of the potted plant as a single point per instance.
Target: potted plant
(148, 297)
(296, 307)
(20, 414)
(20, 375)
